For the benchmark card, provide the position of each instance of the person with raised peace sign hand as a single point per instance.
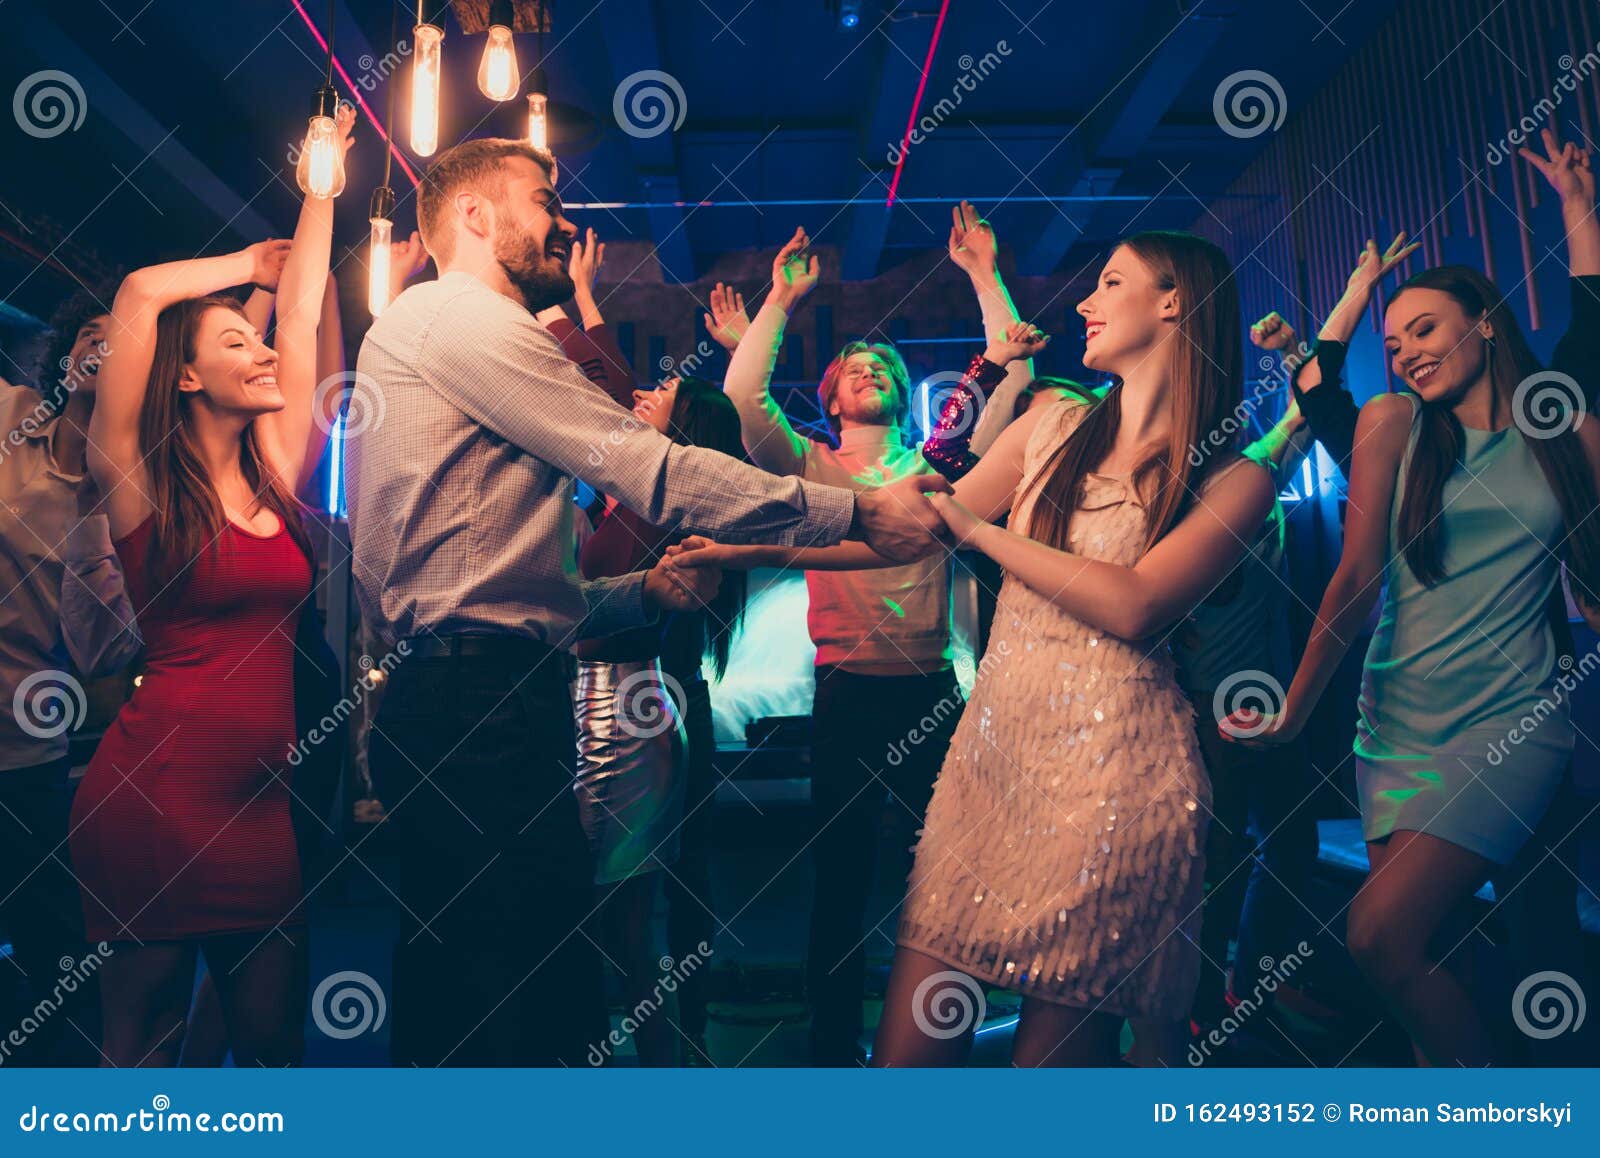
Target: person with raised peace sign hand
(1469, 494)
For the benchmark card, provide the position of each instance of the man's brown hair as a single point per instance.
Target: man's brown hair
(476, 164)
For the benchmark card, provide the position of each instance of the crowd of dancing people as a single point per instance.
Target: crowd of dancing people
(1082, 830)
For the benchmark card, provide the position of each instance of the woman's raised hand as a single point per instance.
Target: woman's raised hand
(1020, 340)
(588, 255)
(1371, 266)
(406, 260)
(1272, 333)
(727, 320)
(266, 262)
(972, 243)
(344, 122)
(1566, 167)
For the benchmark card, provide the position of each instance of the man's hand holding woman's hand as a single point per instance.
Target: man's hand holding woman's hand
(676, 585)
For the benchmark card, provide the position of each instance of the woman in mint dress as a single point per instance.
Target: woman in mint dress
(1467, 497)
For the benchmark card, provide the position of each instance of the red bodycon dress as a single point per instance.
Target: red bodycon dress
(181, 826)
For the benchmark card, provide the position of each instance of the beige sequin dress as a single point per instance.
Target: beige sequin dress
(1062, 854)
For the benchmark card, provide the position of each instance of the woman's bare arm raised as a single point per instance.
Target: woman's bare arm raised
(115, 456)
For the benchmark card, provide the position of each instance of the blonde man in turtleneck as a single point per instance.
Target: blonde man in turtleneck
(884, 670)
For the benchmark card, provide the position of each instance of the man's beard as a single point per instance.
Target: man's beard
(541, 281)
(871, 410)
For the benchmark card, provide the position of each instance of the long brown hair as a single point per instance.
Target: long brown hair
(1207, 360)
(188, 514)
(1441, 441)
(704, 416)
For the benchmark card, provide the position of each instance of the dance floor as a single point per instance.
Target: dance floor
(758, 1015)
(761, 882)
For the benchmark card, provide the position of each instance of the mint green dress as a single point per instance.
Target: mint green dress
(1465, 730)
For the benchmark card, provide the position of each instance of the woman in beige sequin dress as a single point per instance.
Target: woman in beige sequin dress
(1062, 854)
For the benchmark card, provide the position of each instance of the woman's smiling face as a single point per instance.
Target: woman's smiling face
(1433, 344)
(1126, 316)
(233, 367)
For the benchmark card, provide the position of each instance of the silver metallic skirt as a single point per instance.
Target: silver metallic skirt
(630, 776)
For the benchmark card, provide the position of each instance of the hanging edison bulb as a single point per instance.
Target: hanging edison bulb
(378, 272)
(320, 168)
(538, 110)
(425, 83)
(538, 120)
(497, 71)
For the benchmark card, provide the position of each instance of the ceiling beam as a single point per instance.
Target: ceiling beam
(158, 142)
(1122, 130)
(897, 48)
(526, 16)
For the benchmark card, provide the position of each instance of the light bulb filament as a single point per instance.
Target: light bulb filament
(497, 72)
(320, 169)
(425, 82)
(378, 266)
(538, 120)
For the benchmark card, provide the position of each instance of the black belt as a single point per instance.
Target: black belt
(514, 648)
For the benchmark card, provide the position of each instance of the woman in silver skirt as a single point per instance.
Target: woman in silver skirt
(632, 763)
(629, 782)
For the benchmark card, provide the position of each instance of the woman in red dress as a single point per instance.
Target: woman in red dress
(181, 835)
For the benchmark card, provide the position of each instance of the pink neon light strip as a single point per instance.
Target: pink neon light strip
(922, 85)
(372, 118)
